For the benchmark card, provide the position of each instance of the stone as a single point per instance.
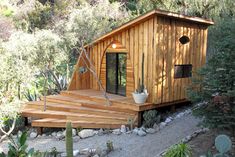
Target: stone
(54, 134)
(156, 127)
(44, 135)
(117, 132)
(74, 132)
(33, 135)
(150, 131)
(59, 135)
(135, 131)
(63, 154)
(123, 129)
(86, 133)
(75, 152)
(162, 125)
(128, 132)
(84, 151)
(168, 120)
(100, 132)
(76, 139)
(96, 155)
(141, 133)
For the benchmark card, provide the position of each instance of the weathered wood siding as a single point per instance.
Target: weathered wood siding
(158, 38)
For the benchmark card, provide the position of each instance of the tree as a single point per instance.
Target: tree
(215, 84)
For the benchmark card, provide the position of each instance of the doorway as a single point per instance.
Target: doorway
(116, 73)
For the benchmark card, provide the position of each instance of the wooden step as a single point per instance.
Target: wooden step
(76, 109)
(61, 99)
(68, 115)
(60, 123)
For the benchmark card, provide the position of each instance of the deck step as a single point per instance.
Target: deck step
(76, 109)
(60, 123)
(87, 103)
(69, 115)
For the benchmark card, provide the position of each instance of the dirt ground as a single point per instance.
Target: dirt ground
(205, 142)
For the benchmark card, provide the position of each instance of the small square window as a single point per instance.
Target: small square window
(183, 71)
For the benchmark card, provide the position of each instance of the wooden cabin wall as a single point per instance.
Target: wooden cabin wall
(158, 38)
(170, 52)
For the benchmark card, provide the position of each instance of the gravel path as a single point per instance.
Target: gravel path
(126, 145)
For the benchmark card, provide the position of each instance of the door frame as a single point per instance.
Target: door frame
(116, 68)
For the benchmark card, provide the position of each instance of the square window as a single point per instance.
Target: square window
(183, 71)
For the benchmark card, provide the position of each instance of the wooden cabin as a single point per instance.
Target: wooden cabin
(174, 46)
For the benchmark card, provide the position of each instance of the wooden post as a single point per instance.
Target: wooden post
(40, 130)
(139, 119)
(26, 121)
(173, 108)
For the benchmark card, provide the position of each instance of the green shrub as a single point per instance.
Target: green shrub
(151, 117)
(179, 150)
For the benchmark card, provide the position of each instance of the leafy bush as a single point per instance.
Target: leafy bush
(215, 83)
(179, 150)
(151, 117)
(19, 147)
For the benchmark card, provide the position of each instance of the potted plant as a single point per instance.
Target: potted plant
(141, 94)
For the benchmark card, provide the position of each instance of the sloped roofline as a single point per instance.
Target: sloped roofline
(149, 15)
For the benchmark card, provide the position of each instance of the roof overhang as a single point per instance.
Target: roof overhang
(150, 14)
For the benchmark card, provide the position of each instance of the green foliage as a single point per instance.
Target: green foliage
(215, 83)
(69, 140)
(109, 145)
(19, 147)
(150, 118)
(179, 150)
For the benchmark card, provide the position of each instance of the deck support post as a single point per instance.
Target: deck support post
(26, 121)
(39, 130)
(173, 108)
(139, 119)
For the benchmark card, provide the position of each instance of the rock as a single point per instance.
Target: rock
(101, 132)
(168, 120)
(63, 155)
(84, 151)
(54, 134)
(33, 135)
(128, 132)
(150, 130)
(44, 135)
(117, 132)
(96, 155)
(135, 131)
(143, 128)
(179, 115)
(141, 133)
(74, 132)
(86, 133)
(123, 129)
(156, 127)
(75, 152)
(162, 125)
(96, 132)
(59, 135)
(205, 129)
(76, 139)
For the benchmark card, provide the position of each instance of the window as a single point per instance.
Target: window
(184, 39)
(183, 71)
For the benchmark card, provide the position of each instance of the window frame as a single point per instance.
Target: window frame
(185, 70)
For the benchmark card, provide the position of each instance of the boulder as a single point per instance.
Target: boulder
(33, 135)
(54, 134)
(168, 120)
(75, 152)
(74, 132)
(135, 131)
(86, 133)
(59, 135)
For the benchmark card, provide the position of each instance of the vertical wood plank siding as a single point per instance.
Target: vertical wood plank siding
(158, 38)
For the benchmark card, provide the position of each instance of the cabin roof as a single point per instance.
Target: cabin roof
(149, 15)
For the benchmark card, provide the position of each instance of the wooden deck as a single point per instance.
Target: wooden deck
(84, 108)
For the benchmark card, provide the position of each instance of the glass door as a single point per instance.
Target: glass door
(116, 73)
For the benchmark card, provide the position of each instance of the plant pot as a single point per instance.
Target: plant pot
(140, 98)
